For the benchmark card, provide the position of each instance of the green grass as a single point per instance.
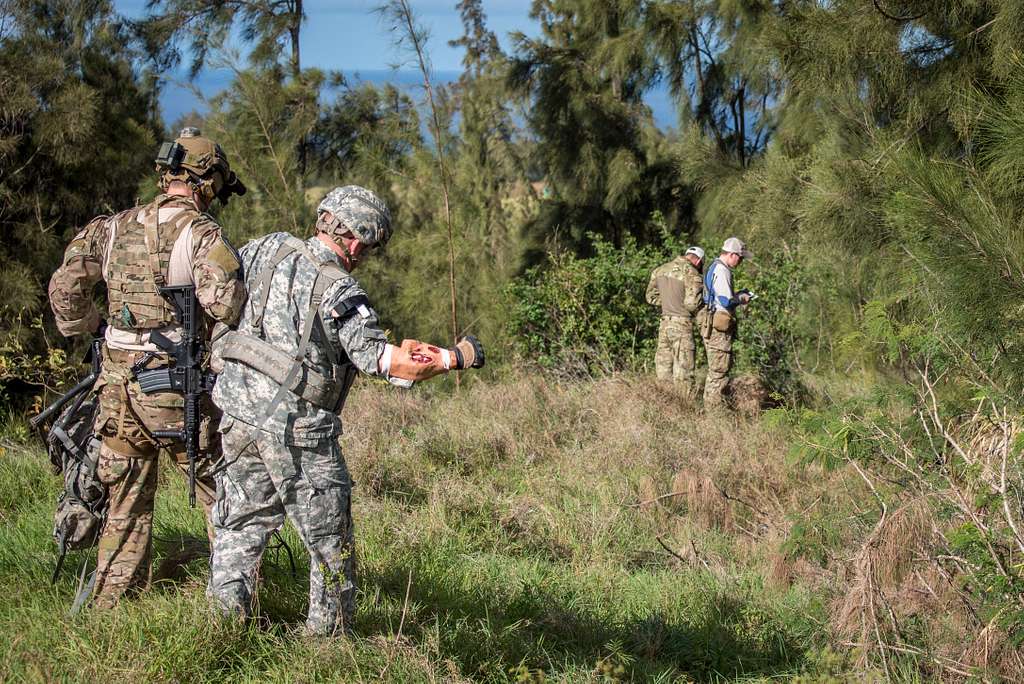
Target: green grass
(498, 540)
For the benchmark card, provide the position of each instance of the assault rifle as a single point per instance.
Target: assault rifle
(93, 358)
(186, 375)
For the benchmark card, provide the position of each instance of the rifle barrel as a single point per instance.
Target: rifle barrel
(83, 385)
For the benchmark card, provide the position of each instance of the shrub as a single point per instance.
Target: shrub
(771, 330)
(587, 315)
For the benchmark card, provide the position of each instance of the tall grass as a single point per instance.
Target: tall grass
(520, 531)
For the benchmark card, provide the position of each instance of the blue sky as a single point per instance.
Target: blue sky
(348, 36)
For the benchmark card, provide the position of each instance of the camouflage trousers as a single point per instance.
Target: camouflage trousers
(674, 358)
(128, 467)
(262, 481)
(719, 346)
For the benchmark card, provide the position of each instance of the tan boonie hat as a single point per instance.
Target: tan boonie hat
(735, 246)
(696, 251)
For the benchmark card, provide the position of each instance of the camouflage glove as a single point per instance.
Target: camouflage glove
(469, 353)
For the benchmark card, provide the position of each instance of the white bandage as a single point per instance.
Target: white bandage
(384, 367)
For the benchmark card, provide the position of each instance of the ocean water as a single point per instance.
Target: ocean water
(179, 96)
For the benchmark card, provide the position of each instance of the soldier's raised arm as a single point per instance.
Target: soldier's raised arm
(349, 223)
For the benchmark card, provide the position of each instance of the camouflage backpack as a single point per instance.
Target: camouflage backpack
(74, 451)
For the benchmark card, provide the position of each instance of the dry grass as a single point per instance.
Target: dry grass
(568, 529)
(590, 472)
(624, 470)
(909, 590)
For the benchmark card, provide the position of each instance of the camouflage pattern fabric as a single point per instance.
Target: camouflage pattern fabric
(214, 269)
(264, 480)
(360, 211)
(127, 417)
(353, 339)
(719, 347)
(291, 465)
(678, 287)
(128, 466)
(675, 357)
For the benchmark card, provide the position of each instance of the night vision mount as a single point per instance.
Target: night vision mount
(170, 156)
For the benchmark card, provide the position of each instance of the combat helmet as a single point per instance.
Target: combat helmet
(199, 162)
(357, 210)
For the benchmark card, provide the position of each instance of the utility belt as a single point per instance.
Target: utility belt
(310, 385)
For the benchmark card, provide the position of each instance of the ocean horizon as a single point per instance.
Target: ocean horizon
(177, 98)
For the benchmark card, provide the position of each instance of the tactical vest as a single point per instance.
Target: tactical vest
(137, 268)
(292, 374)
(673, 291)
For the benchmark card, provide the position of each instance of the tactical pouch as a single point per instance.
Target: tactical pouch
(704, 322)
(722, 321)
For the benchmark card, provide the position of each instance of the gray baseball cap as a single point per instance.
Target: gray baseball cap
(736, 246)
(696, 251)
(360, 211)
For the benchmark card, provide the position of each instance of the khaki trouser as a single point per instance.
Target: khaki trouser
(128, 466)
(719, 346)
(674, 358)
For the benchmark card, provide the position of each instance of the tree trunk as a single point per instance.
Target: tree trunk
(294, 31)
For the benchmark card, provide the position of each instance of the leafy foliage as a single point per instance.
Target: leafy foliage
(271, 26)
(77, 136)
(602, 159)
(769, 336)
(588, 315)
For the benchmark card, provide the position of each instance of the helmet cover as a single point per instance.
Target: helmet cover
(359, 211)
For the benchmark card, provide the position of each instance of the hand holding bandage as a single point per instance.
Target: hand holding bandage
(414, 360)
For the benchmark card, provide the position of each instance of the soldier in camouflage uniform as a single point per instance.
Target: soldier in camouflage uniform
(678, 286)
(169, 241)
(719, 330)
(306, 332)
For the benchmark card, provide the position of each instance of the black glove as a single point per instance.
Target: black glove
(469, 353)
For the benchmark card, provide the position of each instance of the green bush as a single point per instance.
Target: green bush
(586, 316)
(771, 329)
